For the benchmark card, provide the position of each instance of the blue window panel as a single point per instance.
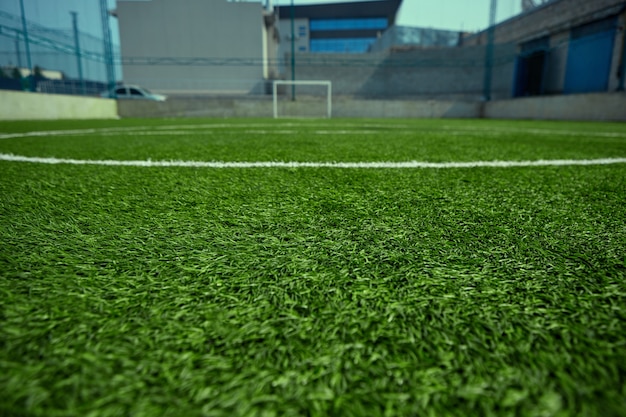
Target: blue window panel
(348, 24)
(589, 63)
(302, 30)
(356, 45)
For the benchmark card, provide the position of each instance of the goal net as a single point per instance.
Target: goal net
(302, 99)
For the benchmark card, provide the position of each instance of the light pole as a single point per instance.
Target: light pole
(77, 51)
(293, 53)
(489, 51)
(31, 77)
(108, 48)
(17, 49)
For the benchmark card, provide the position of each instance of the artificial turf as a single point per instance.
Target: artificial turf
(313, 291)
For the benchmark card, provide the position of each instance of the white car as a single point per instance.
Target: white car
(133, 92)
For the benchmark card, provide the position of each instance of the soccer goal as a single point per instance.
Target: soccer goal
(302, 98)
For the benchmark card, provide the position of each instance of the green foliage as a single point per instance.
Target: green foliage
(16, 74)
(38, 72)
(314, 292)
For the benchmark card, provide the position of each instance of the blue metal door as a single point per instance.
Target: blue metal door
(589, 57)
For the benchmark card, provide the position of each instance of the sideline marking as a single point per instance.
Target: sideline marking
(261, 128)
(277, 164)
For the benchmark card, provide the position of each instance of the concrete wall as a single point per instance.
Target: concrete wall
(17, 105)
(420, 109)
(263, 107)
(198, 106)
(598, 107)
(271, 43)
(553, 17)
(214, 29)
(618, 55)
(442, 73)
(301, 42)
(556, 19)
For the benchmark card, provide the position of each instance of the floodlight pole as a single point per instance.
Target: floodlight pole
(489, 51)
(293, 53)
(17, 50)
(31, 83)
(77, 48)
(108, 48)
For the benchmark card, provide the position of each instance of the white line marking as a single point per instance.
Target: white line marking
(278, 164)
(260, 128)
(536, 131)
(69, 132)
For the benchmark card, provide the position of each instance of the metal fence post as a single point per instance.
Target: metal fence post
(31, 77)
(17, 50)
(622, 70)
(489, 51)
(78, 56)
(293, 53)
(108, 48)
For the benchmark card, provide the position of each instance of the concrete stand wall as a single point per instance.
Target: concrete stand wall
(423, 109)
(198, 106)
(593, 107)
(263, 107)
(598, 107)
(18, 105)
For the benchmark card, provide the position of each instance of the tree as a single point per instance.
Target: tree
(38, 72)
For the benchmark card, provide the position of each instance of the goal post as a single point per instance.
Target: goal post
(310, 103)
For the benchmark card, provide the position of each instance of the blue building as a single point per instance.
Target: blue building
(336, 27)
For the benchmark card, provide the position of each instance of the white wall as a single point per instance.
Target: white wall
(17, 105)
(209, 29)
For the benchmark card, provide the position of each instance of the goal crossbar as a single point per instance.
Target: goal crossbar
(325, 83)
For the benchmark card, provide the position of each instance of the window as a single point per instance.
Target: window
(135, 92)
(589, 57)
(354, 45)
(302, 30)
(349, 24)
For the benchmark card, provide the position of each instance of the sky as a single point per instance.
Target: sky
(466, 15)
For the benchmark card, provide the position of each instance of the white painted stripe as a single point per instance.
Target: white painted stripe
(278, 164)
(68, 132)
(279, 128)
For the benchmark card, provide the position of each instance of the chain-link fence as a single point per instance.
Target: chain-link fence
(39, 58)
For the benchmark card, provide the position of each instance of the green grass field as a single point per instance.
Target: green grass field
(181, 291)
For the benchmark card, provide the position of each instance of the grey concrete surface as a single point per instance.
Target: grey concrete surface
(597, 106)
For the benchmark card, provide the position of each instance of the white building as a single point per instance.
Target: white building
(197, 46)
